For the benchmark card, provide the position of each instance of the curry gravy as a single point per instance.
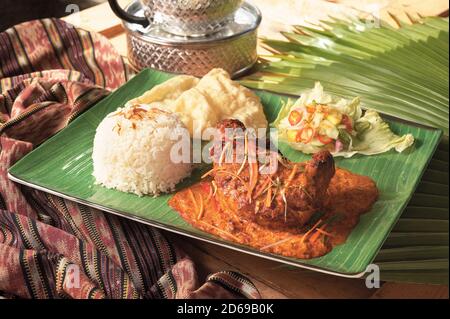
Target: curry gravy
(349, 196)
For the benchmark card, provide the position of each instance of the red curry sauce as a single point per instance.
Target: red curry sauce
(349, 196)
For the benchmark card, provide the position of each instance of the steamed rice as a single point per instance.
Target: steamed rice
(132, 150)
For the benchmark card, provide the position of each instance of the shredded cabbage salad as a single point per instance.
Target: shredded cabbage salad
(319, 121)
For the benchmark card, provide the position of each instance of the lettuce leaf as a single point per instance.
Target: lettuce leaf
(283, 113)
(375, 137)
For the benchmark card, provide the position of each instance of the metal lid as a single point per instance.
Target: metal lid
(246, 19)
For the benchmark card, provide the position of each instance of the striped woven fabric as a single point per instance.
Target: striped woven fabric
(51, 72)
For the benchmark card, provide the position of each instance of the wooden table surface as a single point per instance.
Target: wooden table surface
(271, 278)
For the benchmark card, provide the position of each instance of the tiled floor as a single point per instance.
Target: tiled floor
(16, 11)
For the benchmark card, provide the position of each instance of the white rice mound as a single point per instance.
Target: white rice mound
(132, 148)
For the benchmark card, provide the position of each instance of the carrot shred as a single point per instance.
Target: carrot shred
(323, 232)
(220, 230)
(194, 201)
(257, 206)
(291, 176)
(285, 205)
(214, 185)
(254, 175)
(211, 194)
(278, 243)
(269, 197)
(320, 231)
(245, 154)
(314, 236)
(201, 209)
(310, 231)
(262, 188)
(212, 171)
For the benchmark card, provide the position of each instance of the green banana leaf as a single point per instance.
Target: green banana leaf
(400, 72)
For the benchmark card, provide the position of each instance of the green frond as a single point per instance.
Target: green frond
(399, 72)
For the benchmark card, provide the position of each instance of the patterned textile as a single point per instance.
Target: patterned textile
(51, 72)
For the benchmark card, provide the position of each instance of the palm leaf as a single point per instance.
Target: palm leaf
(434, 277)
(412, 253)
(422, 225)
(400, 72)
(403, 73)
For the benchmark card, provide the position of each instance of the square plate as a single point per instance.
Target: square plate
(63, 166)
